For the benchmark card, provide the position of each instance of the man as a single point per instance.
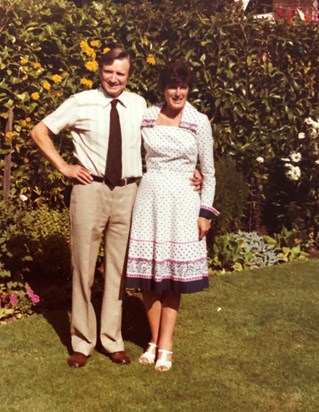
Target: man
(98, 207)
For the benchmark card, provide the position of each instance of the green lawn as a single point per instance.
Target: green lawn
(249, 343)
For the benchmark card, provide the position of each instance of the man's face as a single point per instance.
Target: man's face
(114, 76)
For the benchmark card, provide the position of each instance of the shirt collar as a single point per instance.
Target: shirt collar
(106, 99)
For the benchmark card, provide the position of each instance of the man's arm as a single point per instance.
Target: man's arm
(41, 136)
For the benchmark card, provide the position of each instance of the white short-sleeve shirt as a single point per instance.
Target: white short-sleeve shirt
(86, 115)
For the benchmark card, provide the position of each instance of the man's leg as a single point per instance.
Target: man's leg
(116, 240)
(88, 217)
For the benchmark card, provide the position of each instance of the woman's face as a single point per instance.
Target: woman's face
(176, 96)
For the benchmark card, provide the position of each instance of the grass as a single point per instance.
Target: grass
(248, 343)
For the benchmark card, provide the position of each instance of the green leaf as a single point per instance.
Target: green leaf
(238, 267)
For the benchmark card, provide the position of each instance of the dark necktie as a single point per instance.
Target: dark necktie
(113, 172)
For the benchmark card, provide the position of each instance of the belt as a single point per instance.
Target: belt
(122, 182)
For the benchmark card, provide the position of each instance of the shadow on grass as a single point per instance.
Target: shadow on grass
(59, 320)
(56, 307)
(135, 327)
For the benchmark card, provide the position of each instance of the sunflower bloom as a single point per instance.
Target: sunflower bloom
(87, 49)
(57, 78)
(24, 61)
(23, 123)
(106, 50)
(9, 135)
(90, 52)
(84, 45)
(150, 59)
(92, 66)
(46, 85)
(87, 83)
(95, 43)
(35, 96)
(37, 65)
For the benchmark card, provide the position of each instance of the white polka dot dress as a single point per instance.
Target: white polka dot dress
(165, 252)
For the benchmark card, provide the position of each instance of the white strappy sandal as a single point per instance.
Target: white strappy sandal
(162, 364)
(148, 357)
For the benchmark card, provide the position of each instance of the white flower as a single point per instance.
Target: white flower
(260, 159)
(317, 162)
(293, 172)
(312, 123)
(285, 159)
(313, 129)
(23, 198)
(295, 157)
(301, 135)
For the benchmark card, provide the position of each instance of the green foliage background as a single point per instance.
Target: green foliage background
(256, 80)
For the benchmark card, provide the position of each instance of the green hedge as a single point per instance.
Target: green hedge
(256, 80)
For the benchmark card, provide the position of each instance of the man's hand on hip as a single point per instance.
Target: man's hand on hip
(77, 172)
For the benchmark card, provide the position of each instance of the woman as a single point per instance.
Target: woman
(167, 253)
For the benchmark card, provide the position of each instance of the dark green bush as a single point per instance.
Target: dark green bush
(34, 242)
(33, 245)
(232, 193)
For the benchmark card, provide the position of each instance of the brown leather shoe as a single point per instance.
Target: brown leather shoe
(77, 360)
(119, 357)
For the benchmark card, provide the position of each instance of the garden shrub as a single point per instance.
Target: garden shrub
(294, 192)
(256, 80)
(249, 250)
(292, 244)
(17, 299)
(262, 253)
(36, 242)
(226, 255)
(33, 244)
(231, 198)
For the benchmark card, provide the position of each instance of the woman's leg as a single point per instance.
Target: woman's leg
(170, 306)
(153, 306)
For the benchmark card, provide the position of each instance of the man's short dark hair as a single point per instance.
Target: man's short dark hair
(116, 53)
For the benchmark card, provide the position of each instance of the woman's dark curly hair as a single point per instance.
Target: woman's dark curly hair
(175, 74)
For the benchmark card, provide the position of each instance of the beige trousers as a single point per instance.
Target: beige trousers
(96, 211)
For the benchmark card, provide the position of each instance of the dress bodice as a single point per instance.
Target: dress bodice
(170, 148)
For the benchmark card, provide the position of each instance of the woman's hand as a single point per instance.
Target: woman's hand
(203, 225)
